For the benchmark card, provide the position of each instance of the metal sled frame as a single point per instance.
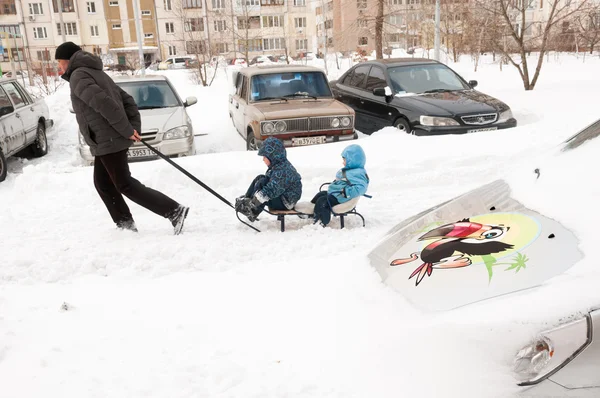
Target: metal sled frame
(280, 214)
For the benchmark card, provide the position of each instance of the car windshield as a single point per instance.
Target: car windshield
(289, 85)
(419, 79)
(151, 94)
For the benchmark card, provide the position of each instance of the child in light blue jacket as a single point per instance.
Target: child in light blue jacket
(350, 182)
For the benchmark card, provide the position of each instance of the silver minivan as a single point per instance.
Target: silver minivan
(165, 122)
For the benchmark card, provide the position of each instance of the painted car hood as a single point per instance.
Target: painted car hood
(480, 245)
(451, 103)
(163, 119)
(301, 108)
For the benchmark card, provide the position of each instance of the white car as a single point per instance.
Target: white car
(165, 122)
(23, 124)
(178, 62)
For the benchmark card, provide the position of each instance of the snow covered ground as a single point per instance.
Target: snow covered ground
(222, 311)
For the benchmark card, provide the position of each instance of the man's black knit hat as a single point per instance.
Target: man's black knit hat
(66, 50)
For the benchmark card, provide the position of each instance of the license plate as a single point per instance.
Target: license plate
(308, 140)
(139, 153)
(480, 130)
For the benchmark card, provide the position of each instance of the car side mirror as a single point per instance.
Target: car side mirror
(379, 92)
(189, 101)
(5, 110)
(382, 92)
(473, 83)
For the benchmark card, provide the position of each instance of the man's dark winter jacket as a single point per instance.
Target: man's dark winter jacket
(284, 180)
(106, 114)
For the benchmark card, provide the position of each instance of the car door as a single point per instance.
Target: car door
(377, 110)
(340, 89)
(24, 108)
(11, 125)
(355, 92)
(239, 104)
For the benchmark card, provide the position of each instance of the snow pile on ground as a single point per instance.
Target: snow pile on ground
(222, 311)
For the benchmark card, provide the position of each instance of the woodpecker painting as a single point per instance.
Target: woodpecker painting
(454, 243)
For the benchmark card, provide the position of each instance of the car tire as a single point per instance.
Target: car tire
(3, 166)
(403, 125)
(251, 144)
(40, 146)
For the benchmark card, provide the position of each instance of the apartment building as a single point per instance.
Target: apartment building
(233, 28)
(123, 36)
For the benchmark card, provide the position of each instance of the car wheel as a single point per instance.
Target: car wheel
(251, 144)
(3, 166)
(40, 146)
(402, 125)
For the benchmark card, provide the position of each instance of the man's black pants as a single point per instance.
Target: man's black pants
(113, 179)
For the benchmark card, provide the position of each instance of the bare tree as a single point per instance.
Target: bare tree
(379, 30)
(589, 27)
(195, 35)
(522, 35)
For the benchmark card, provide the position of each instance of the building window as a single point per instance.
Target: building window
(222, 48)
(220, 26)
(70, 29)
(395, 2)
(362, 23)
(191, 3)
(43, 55)
(194, 47)
(302, 44)
(91, 6)
(299, 3)
(146, 13)
(36, 9)
(40, 33)
(273, 44)
(242, 23)
(396, 20)
(300, 22)
(272, 21)
(242, 3)
(172, 50)
(170, 27)
(113, 3)
(8, 8)
(393, 37)
(271, 2)
(361, 4)
(94, 31)
(168, 6)
(11, 29)
(148, 35)
(67, 6)
(97, 51)
(363, 41)
(217, 4)
(329, 24)
(194, 25)
(250, 45)
(116, 26)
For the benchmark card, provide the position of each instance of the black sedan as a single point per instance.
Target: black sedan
(419, 96)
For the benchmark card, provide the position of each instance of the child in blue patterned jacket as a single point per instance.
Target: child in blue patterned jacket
(350, 182)
(279, 188)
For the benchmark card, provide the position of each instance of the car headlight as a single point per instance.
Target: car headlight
(551, 350)
(504, 116)
(346, 121)
(438, 121)
(268, 128)
(335, 122)
(280, 126)
(176, 133)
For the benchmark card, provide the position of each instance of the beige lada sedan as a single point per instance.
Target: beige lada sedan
(291, 102)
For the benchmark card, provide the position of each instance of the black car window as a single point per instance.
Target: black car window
(238, 84)
(376, 79)
(358, 77)
(348, 78)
